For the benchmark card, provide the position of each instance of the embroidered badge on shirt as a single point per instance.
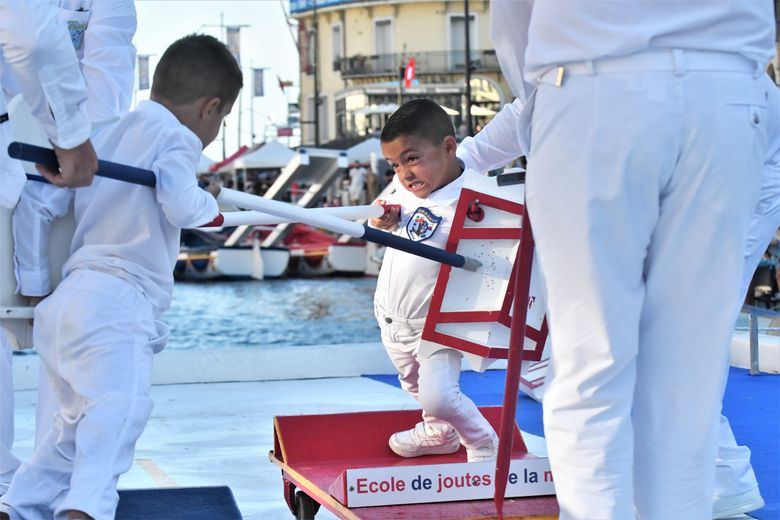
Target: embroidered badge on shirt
(422, 225)
(76, 30)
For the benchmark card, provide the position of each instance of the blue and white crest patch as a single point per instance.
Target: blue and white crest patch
(76, 30)
(422, 225)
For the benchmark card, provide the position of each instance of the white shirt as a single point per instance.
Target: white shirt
(122, 229)
(530, 37)
(102, 34)
(36, 50)
(405, 284)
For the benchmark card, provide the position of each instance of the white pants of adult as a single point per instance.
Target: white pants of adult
(733, 472)
(96, 336)
(8, 462)
(433, 382)
(763, 223)
(641, 184)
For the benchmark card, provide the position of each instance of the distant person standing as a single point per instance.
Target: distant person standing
(646, 137)
(357, 184)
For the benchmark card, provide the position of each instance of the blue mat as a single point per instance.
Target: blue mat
(192, 503)
(752, 405)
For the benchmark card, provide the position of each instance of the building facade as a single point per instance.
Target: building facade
(356, 50)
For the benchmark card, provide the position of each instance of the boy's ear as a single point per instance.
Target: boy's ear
(450, 144)
(209, 106)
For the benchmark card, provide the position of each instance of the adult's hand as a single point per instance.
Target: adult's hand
(77, 166)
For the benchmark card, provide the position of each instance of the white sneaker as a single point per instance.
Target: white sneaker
(417, 442)
(484, 453)
(724, 507)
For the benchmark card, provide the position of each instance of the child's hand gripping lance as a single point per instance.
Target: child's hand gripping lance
(278, 209)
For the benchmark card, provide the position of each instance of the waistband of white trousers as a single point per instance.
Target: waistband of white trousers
(384, 316)
(678, 61)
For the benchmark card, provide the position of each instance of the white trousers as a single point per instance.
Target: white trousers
(763, 223)
(96, 335)
(640, 187)
(45, 409)
(733, 473)
(8, 463)
(433, 382)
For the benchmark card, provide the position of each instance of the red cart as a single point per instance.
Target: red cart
(315, 451)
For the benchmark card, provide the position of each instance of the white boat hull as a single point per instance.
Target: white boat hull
(236, 262)
(230, 262)
(345, 258)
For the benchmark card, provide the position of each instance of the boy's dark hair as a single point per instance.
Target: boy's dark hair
(197, 66)
(421, 118)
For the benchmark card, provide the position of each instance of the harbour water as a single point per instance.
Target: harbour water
(280, 312)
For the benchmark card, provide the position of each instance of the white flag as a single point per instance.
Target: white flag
(143, 72)
(234, 42)
(258, 82)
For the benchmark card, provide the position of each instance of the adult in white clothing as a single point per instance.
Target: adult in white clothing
(640, 114)
(101, 33)
(36, 51)
(499, 142)
(37, 59)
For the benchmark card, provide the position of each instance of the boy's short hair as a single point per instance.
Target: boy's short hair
(197, 66)
(421, 118)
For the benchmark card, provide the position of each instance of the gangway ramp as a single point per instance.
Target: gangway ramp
(317, 167)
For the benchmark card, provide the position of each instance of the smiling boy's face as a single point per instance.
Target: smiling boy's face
(422, 166)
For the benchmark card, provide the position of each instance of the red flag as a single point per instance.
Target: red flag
(409, 73)
(283, 84)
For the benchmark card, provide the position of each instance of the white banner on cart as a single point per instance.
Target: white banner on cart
(444, 482)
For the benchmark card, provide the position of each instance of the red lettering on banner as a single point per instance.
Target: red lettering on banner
(382, 486)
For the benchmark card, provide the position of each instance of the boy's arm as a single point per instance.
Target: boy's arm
(498, 143)
(183, 203)
(38, 206)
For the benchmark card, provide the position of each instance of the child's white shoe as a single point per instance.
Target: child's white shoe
(417, 442)
(486, 452)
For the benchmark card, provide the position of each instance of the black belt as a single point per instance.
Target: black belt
(3, 118)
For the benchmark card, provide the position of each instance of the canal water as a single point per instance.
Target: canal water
(272, 313)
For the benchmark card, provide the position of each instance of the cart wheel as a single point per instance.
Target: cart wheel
(305, 506)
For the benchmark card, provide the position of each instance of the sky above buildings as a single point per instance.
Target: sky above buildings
(266, 42)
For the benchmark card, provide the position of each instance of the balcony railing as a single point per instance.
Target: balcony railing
(434, 62)
(299, 6)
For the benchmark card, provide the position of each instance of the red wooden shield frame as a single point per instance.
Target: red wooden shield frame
(503, 315)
